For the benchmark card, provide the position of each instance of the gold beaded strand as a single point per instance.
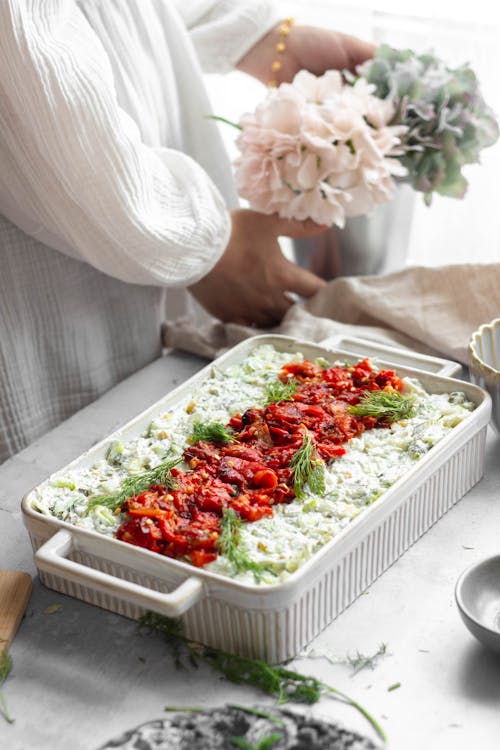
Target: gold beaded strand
(283, 31)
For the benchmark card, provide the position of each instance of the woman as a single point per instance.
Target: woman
(114, 187)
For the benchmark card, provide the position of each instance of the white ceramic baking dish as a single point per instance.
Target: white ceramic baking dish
(271, 622)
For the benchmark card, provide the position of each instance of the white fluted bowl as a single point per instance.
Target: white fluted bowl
(484, 354)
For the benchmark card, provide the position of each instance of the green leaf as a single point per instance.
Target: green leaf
(265, 743)
(389, 406)
(229, 542)
(307, 468)
(136, 485)
(277, 391)
(210, 432)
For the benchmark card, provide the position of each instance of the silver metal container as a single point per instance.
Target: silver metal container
(366, 246)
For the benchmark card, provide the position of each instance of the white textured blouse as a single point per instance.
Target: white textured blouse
(108, 157)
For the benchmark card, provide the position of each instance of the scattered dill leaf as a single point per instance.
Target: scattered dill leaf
(135, 485)
(391, 406)
(210, 432)
(52, 609)
(395, 686)
(307, 468)
(187, 709)
(358, 662)
(5, 668)
(265, 743)
(361, 661)
(229, 541)
(278, 391)
(276, 680)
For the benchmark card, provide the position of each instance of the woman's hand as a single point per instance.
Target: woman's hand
(251, 283)
(307, 48)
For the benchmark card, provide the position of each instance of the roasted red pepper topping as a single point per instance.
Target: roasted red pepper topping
(252, 473)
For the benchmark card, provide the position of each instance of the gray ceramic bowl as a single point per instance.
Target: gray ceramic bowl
(484, 354)
(477, 595)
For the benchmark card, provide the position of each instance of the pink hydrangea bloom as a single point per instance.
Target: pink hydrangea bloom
(318, 148)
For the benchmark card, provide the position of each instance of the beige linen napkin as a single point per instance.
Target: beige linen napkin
(430, 310)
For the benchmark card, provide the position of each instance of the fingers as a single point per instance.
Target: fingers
(356, 50)
(303, 282)
(296, 229)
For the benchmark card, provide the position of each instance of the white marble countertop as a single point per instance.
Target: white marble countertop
(82, 675)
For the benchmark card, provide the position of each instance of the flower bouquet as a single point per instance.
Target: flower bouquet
(334, 146)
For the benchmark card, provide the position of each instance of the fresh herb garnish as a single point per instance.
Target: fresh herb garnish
(135, 485)
(390, 406)
(5, 668)
(395, 686)
(308, 468)
(284, 684)
(229, 541)
(210, 432)
(265, 743)
(358, 662)
(278, 391)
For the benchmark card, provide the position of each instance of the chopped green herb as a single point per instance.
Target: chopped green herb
(265, 743)
(284, 684)
(64, 484)
(322, 362)
(390, 406)
(52, 609)
(187, 709)
(308, 468)
(358, 662)
(211, 432)
(5, 668)
(395, 686)
(278, 391)
(229, 541)
(135, 485)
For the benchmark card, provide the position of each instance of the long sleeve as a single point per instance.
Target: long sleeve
(75, 173)
(223, 31)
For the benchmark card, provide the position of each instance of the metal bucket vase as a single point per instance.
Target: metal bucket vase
(367, 245)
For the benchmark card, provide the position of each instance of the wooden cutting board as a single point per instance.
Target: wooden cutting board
(15, 591)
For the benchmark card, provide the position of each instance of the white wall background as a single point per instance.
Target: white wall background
(450, 231)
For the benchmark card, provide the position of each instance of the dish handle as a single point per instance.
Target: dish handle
(52, 558)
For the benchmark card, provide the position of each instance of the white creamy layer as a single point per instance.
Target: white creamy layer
(372, 463)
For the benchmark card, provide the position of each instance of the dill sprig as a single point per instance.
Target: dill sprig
(278, 391)
(210, 432)
(307, 468)
(358, 661)
(135, 485)
(5, 668)
(276, 680)
(389, 406)
(229, 542)
(362, 661)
